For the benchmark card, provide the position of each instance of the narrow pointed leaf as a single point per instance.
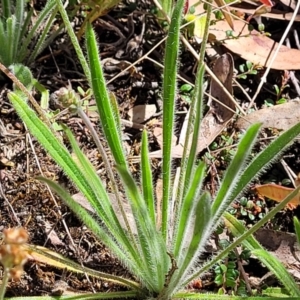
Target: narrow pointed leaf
(232, 175)
(147, 180)
(297, 229)
(150, 240)
(198, 237)
(189, 203)
(105, 108)
(237, 229)
(265, 158)
(169, 96)
(101, 203)
(103, 235)
(54, 259)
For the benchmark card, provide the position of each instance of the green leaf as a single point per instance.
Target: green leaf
(73, 38)
(24, 74)
(242, 68)
(265, 158)
(238, 229)
(219, 279)
(244, 236)
(249, 65)
(147, 180)
(232, 174)
(230, 282)
(261, 27)
(198, 26)
(101, 202)
(297, 229)
(63, 158)
(17, 34)
(186, 88)
(10, 30)
(253, 72)
(151, 242)
(187, 168)
(106, 237)
(223, 268)
(281, 101)
(277, 91)
(199, 236)
(108, 121)
(169, 96)
(188, 207)
(242, 76)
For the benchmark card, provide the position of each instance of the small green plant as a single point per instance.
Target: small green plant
(186, 92)
(283, 86)
(261, 27)
(248, 210)
(162, 254)
(230, 34)
(269, 102)
(226, 275)
(24, 40)
(195, 25)
(227, 151)
(247, 69)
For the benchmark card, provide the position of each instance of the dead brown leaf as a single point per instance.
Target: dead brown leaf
(256, 47)
(250, 7)
(223, 69)
(273, 14)
(281, 117)
(226, 12)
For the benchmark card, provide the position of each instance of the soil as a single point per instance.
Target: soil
(24, 201)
